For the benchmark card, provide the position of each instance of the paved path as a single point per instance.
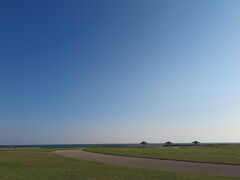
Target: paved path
(171, 165)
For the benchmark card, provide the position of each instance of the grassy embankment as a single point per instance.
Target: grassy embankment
(39, 164)
(226, 154)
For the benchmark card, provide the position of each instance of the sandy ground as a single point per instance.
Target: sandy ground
(170, 165)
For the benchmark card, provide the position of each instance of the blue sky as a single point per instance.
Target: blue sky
(119, 71)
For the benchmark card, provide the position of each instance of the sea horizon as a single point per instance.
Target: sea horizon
(107, 144)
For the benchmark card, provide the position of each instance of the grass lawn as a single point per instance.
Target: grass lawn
(228, 154)
(42, 164)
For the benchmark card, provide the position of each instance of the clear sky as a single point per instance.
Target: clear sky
(119, 71)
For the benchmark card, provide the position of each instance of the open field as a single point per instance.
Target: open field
(151, 163)
(226, 154)
(41, 164)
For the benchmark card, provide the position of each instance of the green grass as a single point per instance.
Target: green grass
(227, 154)
(42, 164)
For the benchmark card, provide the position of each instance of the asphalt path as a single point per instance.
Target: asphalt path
(170, 165)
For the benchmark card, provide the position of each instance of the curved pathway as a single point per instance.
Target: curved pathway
(170, 165)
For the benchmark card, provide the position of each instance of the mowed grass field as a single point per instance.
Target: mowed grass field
(43, 164)
(226, 154)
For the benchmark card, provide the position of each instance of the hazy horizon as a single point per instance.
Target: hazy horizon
(130, 143)
(88, 71)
